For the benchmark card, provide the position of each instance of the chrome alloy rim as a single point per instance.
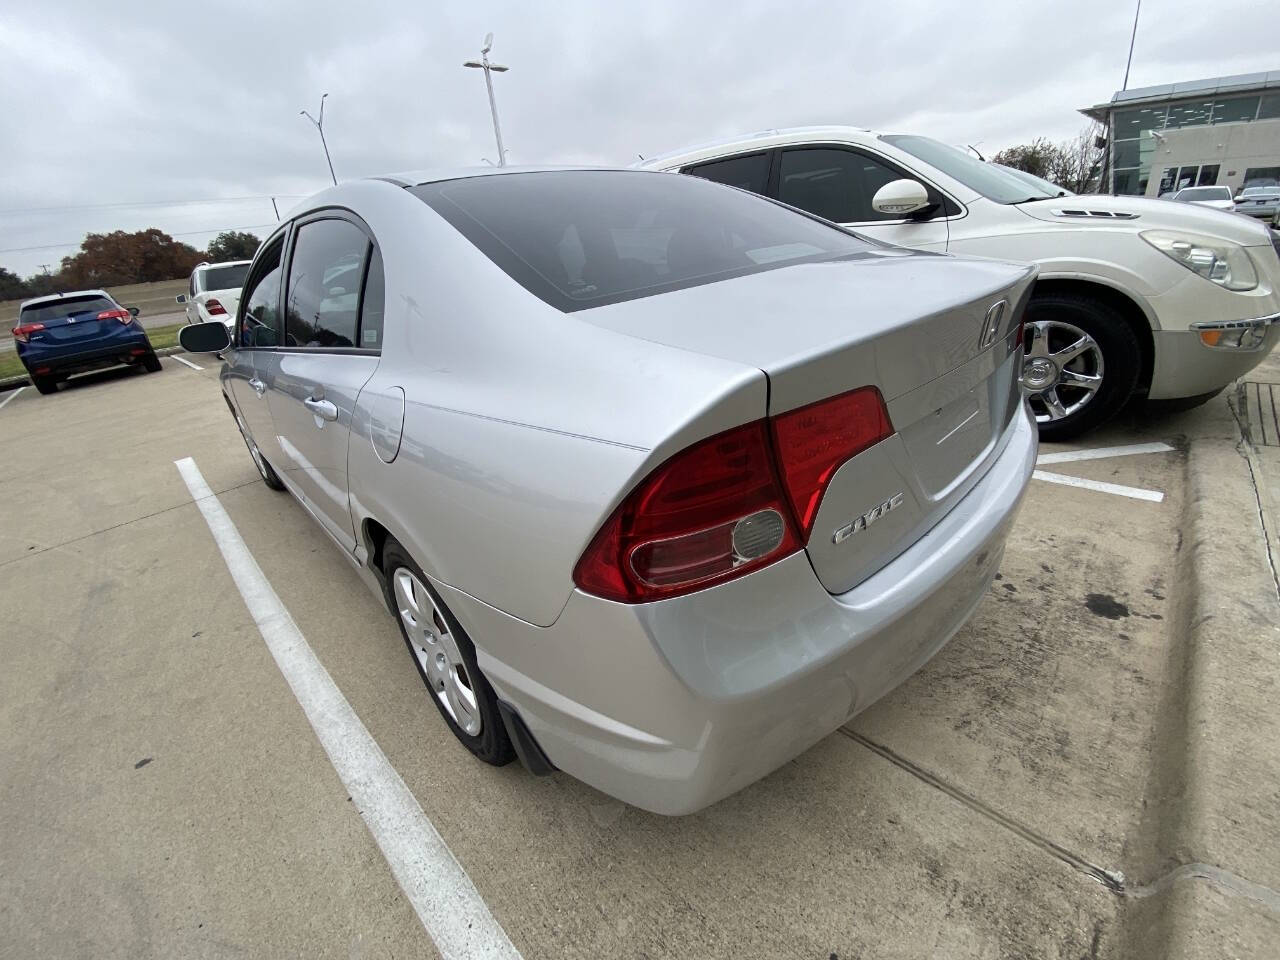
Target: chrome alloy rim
(437, 651)
(1062, 371)
(253, 448)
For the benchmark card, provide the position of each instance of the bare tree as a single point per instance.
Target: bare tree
(1077, 162)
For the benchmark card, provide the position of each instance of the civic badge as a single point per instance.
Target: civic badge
(867, 519)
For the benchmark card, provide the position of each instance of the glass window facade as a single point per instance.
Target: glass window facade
(1133, 146)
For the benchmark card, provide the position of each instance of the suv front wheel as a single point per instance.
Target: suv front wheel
(1081, 365)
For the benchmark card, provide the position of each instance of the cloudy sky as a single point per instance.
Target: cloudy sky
(105, 107)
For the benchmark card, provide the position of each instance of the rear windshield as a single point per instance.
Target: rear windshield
(223, 278)
(585, 238)
(66, 307)
(1204, 193)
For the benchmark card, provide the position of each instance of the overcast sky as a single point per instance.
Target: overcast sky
(108, 103)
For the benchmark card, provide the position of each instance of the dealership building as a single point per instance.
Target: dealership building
(1225, 130)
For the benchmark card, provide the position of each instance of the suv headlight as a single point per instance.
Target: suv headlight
(1225, 263)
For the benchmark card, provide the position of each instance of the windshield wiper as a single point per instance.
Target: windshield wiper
(1031, 199)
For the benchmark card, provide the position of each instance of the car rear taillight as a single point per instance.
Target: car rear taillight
(214, 308)
(124, 316)
(729, 504)
(813, 441)
(23, 331)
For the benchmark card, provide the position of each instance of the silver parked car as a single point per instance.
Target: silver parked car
(663, 481)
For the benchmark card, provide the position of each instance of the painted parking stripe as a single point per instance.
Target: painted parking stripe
(1102, 453)
(446, 901)
(1134, 493)
(193, 366)
(11, 396)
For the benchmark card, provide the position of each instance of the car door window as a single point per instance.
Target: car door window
(838, 184)
(325, 272)
(373, 304)
(260, 326)
(750, 172)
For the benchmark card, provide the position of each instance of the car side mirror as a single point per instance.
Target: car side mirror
(901, 198)
(133, 311)
(181, 298)
(211, 337)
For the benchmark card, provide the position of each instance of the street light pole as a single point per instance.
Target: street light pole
(489, 69)
(319, 124)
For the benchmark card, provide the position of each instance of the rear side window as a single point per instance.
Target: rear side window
(373, 305)
(750, 172)
(261, 324)
(586, 238)
(325, 274)
(66, 307)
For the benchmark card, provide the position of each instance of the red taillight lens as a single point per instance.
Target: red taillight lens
(124, 316)
(23, 331)
(729, 504)
(711, 512)
(214, 308)
(813, 441)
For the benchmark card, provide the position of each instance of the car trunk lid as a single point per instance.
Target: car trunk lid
(927, 331)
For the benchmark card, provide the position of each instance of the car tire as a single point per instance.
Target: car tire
(151, 363)
(1081, 366)
(45, 385)
(445, 659)
(265, 470)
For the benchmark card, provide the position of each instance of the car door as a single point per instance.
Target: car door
(189, 306)
(334, 280)
(259, 322)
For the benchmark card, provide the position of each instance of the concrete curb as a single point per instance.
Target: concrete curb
(1204, 864)
(12, 383)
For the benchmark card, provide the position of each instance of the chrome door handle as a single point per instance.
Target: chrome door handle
(321, 408)
(258, 386)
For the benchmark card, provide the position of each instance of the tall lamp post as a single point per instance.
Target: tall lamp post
(489, 69)
(319, 124)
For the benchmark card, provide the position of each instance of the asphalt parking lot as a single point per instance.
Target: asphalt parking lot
(1062, 780)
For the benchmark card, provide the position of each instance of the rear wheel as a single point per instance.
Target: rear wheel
(445, 659)
(151, 363)
(45, 384)
(1081, 365)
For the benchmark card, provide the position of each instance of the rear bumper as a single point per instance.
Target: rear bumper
(64, 361)
(671, 706)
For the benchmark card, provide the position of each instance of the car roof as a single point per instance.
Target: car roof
(776, 135)
(220, 263)
(54, 297)
(414, 178)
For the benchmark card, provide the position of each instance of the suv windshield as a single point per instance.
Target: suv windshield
(988, 180)
(66, 307)
(230, 277)
(585, 238)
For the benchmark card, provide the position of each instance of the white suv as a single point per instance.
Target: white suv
(214, 291)
(1135, 297)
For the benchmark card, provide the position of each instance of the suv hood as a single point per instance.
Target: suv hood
(1142, 213)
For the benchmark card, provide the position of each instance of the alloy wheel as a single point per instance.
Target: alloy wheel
(1062, 371)
(437, 651)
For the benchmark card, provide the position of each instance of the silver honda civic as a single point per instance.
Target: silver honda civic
(662, 480)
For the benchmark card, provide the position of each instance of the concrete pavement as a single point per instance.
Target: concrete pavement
(1033, 791)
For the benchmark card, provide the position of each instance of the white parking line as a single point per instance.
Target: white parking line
(1102, 453)
(445, 899)
(10, 397)
(193, 366)
(1135, 493)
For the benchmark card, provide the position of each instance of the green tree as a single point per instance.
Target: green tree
(12, 286)
(1073, 163)
(233, 245)
(1035, 158)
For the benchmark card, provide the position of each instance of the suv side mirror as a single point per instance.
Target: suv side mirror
(133, 311)
(901, 198)
(181, 298)
(211, 337)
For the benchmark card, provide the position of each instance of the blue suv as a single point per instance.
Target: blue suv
(69, 333)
